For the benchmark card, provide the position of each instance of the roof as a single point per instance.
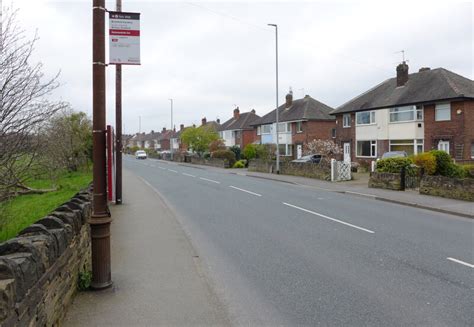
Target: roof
(306, 108)
(422, 87)
(213, 124)
(243, 122)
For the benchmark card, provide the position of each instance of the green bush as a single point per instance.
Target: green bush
(444, 162)
(393, 165)
(427, 161)
(236, 150)
(225, 154)
(250, 151)
(239, 164)
(469, 169)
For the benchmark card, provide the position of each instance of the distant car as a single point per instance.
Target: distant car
(394, 154)
(314, 158)
(140, 154)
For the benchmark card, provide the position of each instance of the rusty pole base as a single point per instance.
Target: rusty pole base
(100, 239)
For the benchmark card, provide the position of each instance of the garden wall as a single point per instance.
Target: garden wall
(454, 188)
(389, 181)
(215, 162)
(291, 168)
(39, 269)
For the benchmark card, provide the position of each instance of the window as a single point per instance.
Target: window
(259, 131)
(299, 127)
(346, 120)
(333, 133)
(266, 129)
(409, 146)
(472, 150)
(365, 117)
(404, 114)
(367, 149)
(443, 146)
(284, 128)
(443, 112)
(286, 149)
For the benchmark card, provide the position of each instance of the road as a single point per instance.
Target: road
(284, 254)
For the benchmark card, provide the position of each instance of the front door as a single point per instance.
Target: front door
(299, 151)
(443, 146)
(347, 152)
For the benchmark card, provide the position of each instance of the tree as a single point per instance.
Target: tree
(198, 139)
(327, 148)
(217, 145)
(24, 106)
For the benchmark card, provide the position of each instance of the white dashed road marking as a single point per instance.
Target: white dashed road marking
(209, 180)
(461, 262)
(241, 189)
(188, 175)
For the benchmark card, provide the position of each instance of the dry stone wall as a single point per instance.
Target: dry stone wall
(39, 269)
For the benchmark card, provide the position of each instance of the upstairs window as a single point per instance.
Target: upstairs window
(258, 130)
(266, 129)
(333, 133)
(405, 114)
(284, 128)
(443, 112)
(365, 118)
(299, 127)
(346, 120)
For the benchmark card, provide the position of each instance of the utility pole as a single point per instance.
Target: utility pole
(277, 120)
(118, 126)
(100, 217)
(172, 131)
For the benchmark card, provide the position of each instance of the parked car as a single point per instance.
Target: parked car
(394, 154)
(314, 158)
(140, 154)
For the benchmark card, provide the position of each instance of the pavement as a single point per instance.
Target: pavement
(286, 253)
(359, 187)
(158, 278)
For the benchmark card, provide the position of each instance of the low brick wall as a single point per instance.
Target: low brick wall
(215, 162)
(39, 268)
(389, 181)
(454, 188)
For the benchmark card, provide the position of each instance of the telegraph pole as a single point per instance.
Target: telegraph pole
(100, 217)
(277, 120)
(118, 126)
(172, 131)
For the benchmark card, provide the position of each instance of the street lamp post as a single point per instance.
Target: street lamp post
(172, 133)
(277, 120)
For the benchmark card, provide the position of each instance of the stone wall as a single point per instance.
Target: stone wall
(389, 181)
(215, 162)
(39, 269)
(454, 188)
(291, 168)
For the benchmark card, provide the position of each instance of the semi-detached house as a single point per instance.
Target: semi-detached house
(237, 131)
(430, 109)
(300, 121)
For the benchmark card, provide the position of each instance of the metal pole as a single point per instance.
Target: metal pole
(277, 114)
(118, 126)
(100, 218)
(172, 132)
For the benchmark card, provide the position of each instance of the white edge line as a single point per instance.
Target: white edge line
(209, 180)
(185, 174)
(241, 189)
(329, 218)
(461, 262)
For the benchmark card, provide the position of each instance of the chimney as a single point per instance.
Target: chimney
(289, 99)
(424, 69)
(181, 127)
(252, 111)
(163, 130)
(152, 132)
(203, 121)
(174, 129)
(218, 121)
(402, 74)
(194, 125)
(236, 113)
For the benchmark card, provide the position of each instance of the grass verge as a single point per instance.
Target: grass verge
(24, 210)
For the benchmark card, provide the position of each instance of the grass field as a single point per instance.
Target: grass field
(24, 210)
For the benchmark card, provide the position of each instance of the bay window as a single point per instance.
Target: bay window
(367, 149)
(409, 146)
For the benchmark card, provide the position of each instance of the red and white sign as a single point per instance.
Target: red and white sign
(124, 38)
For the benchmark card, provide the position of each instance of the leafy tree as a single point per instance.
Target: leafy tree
(198, 139)
(216, 145)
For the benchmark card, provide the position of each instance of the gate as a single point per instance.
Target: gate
(340, 171)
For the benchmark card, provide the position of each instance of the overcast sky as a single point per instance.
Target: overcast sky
(212, 56)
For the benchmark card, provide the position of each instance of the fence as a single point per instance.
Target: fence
(340, 171)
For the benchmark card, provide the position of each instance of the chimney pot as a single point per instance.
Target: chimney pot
(236, 113)
(253, 111)
(203, 121)
(163, 130)
(181, 127)
(424, 69)
(218, 121)
(289, 100)
(402, 74)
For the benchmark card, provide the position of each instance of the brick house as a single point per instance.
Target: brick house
(168, 137)
(300, 121)
(430, 109)
(237, 130)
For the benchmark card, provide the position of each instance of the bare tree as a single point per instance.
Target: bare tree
(24, 107)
